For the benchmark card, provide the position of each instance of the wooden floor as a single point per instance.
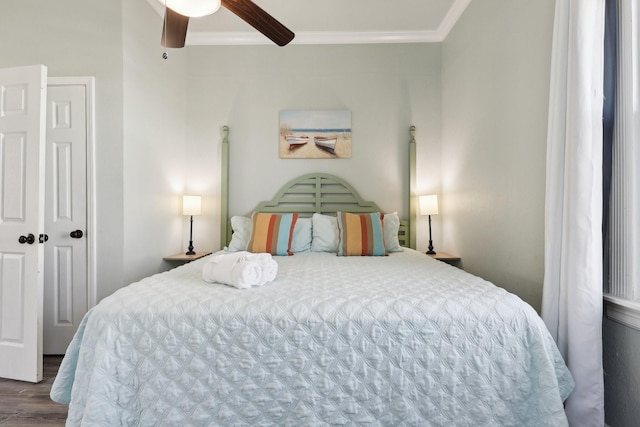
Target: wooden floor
(26, 404)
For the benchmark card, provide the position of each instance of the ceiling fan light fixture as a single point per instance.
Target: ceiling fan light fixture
(178, 12)
(194, 8)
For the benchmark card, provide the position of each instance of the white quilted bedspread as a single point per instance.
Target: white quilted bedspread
(401, 340)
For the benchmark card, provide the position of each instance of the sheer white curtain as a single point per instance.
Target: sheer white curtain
(572, 295)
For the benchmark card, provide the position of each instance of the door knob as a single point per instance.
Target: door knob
(29, 238)
(43, 238)
(77, 234)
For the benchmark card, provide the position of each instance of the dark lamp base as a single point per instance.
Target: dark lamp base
(430, 250)
(190, 248)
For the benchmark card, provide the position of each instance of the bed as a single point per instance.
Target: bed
(397, 339)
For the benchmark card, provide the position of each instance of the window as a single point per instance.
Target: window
(622, 287)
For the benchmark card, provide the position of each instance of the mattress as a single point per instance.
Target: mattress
(376, 341)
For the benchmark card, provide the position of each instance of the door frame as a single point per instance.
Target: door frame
(89, 84)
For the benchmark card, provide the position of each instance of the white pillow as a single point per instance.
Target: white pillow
(325, 233)
(391, 227)
(301, 241)
(242, 227)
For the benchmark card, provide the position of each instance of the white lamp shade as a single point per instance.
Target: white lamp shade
(429, 204)
(191, 205)
(193, 8)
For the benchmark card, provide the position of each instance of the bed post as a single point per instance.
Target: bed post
(224, 188)
(413, 197)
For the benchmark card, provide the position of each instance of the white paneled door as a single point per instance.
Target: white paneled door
(65, 258)
(22, 142)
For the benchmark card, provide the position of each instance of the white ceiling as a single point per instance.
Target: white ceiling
(333, 22)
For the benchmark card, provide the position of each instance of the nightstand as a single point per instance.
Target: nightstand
(445, 257)
(183, 258)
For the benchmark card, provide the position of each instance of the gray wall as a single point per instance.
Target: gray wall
(495, 85)
(154, 175)
(386, 87)
(144, 162)
(621, 357)
(495, 92)
(158, 122)
(81, 38)
(140, 120)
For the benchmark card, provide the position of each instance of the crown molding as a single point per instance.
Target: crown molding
(313, 38)
(450, 19)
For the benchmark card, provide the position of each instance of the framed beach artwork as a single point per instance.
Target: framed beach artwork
(315, 134)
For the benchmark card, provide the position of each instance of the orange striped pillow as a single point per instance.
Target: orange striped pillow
(361, 234)
(272, 233)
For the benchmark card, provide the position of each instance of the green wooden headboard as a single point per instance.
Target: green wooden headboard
(315, 192)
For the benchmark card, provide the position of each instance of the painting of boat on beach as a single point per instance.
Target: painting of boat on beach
(315, 134)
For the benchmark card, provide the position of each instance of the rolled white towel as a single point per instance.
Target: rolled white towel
(240, 269)
(269, 266)
(220, 267)
(246, 273)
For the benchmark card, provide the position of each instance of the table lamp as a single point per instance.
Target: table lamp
(429, 206)
(191, 205)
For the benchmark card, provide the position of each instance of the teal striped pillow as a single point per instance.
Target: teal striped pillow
(272, 233)
(361, 234)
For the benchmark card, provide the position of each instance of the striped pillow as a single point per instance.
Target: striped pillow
(360, 234)
(272, 233)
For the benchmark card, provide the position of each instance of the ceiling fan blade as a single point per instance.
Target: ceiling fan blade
(174, 30)
(251, 13)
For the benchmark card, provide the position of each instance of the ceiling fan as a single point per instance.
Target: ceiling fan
(178, 12)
